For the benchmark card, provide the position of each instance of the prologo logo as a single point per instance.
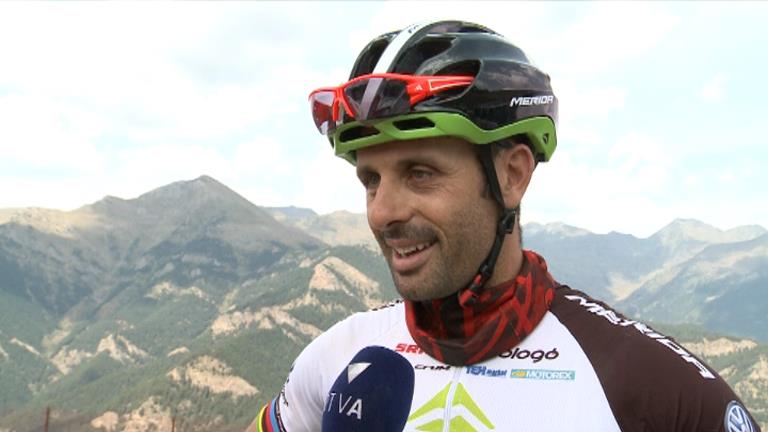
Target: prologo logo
(465, 415)
(737, 419)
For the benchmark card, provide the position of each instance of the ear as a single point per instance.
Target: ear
(514, 168)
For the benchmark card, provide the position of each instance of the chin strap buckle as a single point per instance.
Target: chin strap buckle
(507, 222)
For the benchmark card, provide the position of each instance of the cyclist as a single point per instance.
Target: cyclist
(446, 123)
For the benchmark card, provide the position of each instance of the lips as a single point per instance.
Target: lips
(407, 259)
(404, 252)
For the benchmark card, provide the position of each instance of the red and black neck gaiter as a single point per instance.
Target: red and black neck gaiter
(501, 318)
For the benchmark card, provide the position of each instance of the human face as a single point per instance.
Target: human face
(428, 212)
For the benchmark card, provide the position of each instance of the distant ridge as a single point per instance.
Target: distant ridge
(189, 301)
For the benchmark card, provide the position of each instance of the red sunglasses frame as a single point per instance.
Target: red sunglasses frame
(419, 87)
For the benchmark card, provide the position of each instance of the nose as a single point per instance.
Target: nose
(388, 205)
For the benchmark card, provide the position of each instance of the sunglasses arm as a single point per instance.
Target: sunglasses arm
(423, 88)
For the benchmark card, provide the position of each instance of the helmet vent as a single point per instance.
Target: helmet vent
(365, 63)
(414, 123)
(358, 132)
(414, 57)
(466, 67)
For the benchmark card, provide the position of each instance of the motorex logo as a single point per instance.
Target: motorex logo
(465, 415)
(543, 374)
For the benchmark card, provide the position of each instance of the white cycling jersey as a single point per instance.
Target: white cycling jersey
(584, 368)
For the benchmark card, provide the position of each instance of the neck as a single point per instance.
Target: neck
(462, 335)
(510, 260)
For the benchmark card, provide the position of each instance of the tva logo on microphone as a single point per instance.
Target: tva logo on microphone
(373, 393)
(345, 405)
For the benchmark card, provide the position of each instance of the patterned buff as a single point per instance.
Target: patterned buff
(501, 318)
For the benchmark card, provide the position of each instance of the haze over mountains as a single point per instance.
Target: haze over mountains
(190, 301)
(686, 273)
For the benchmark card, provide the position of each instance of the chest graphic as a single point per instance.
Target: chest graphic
(453, 402)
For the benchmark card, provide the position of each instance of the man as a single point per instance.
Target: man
(446, 123)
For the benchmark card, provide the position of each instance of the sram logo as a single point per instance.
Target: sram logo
(532, 100)
(409, 348)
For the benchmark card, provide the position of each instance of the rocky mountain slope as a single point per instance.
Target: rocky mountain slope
(185, 306)
(337, 228)
(688, 272)
(185, 293)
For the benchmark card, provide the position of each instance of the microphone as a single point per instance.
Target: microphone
(372, 394)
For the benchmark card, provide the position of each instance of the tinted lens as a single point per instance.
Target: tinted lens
(322, 110)
(378, 97)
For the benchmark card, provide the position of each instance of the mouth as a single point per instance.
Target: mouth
(407, 259)
(406, 252)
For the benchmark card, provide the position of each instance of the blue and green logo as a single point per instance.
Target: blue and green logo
(543, 374)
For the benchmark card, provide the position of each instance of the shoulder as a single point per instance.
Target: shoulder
(364, 328)
(605, 333)
(651, 381)
(337, 345)
(301, 400)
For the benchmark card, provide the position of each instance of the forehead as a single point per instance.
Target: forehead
(440, 149)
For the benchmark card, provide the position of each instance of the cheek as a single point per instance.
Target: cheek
(470, 222)
(473, 203)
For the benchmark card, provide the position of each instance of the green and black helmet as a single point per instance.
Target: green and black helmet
(400, 88)
(448, 78)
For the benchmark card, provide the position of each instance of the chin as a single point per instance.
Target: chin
(409, 292)
(415, 292)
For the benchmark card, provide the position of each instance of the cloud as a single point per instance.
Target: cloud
(618, 188)
(714, 89)
(579, 101)
(44, 133)
(65, 193)
(330, 183)
(607, 35)
(120, 98)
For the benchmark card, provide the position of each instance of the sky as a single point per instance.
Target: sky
(662, 105)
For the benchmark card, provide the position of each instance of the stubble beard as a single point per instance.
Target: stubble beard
(453, 262)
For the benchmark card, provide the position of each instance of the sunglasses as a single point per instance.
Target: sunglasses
(377, 95)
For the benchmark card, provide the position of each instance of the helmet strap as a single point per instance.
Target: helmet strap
(506, 225)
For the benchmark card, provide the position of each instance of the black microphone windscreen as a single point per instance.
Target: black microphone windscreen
(372, 394)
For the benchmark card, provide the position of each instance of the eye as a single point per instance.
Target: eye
(369, 180)
(421, 174)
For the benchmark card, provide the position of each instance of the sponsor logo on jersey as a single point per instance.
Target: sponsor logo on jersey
(533, 355)
(431, 415)
(737, 419)
(485, 371)
(532, 100)
(408, 348)
(432, 367)
(543, 374)
(614, 319)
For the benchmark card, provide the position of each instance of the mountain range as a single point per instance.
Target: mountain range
(186, 305)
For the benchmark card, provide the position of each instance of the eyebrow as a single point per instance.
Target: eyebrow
(404, 163)
(363, 169)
